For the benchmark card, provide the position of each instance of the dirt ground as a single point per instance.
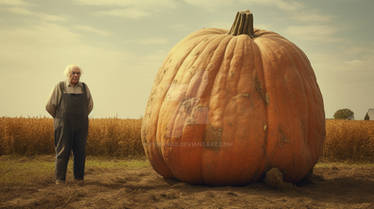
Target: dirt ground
(331, 186)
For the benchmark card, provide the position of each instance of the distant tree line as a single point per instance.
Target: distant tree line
(344, 114)
(347, 114)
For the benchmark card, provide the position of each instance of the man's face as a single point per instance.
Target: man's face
(75, 75)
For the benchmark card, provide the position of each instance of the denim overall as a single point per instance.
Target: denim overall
(71, 128)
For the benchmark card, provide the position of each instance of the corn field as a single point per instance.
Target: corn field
(345, 140)
(109, 137)
(349, 140)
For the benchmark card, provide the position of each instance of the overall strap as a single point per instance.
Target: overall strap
(84, 90)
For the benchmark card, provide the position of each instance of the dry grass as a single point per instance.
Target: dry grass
(27, 170)
(109, 137)
(26, 136)
(345, 140)
(115, 137)
(348, 140)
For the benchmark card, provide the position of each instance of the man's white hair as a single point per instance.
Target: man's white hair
(70, 68)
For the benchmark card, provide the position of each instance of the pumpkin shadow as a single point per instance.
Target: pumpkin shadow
(316, 188)
(339, 190)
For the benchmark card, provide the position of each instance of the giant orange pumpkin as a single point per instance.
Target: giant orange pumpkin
(227, 106)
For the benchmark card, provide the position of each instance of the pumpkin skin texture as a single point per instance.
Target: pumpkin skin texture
(226, 108)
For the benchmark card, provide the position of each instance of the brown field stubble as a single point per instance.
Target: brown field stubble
(108, 137)
(349, 140)
(345, 140)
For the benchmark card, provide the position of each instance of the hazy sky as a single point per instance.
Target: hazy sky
(121, 44)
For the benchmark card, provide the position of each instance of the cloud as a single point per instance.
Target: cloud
(180, 27)
(27, 12)
(354, 62)
(37, 35)
(280, 4)
(129, 3)
(311, 17)
(33, 43)
(90, 29)
(20, 11)
(104, 2)
(345, 78)
(52, 45)
(37, 55)
(210, 4)
(214, 4)
(361, 63)
(223, 25)
(350, 59)
(153, 41)
(322, 33)
(227, 25)
(14, 3)
(48, 45)
(129, 8)
(357, 50)
(132, 13)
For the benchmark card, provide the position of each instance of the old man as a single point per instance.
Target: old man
(70, 104)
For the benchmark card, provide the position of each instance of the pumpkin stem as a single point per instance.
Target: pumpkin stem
(243, 24)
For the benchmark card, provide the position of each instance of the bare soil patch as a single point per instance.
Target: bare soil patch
(332, 185)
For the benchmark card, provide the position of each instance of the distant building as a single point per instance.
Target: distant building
(370, 114)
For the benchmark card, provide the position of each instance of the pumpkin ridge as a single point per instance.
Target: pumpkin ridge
(224, 80)
(268, 47)
(228, 68)
(227, 78)
(154, 150)
(264, 90)
(190, 64)
(208, 157)
(271, 54)
(307, 83)
(200, 91)
(260, 88)
(176, 72)
(257, 52)
(290, 58)
(200, 48)
(239, 43)
(210, 71)
(302, 55)
(219, 129)
(295, 58)
(313, 156)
